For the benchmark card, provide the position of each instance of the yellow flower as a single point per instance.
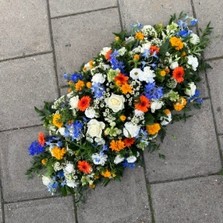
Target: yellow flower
(117, 38)
(44, 161)
(117, 145)
(167, 111)
(122, 118)
(88, 84)
(176, 43)
(126, 88)
(139, 36)
(136, 57)
(163, 73)
(79, 85)
(153, 128)
(106, 174)
(58, 153)
(57, 120)
(180, 104)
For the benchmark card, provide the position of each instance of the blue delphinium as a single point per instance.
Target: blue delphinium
(196, 98)
(77, 129)
(73, 77)
(116, 64)
(153, 92)
(35, 149)
(126, 164)
(98, 90)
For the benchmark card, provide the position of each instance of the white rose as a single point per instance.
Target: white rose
(131, 130)
(131, 159)
(69, 168)
(135, 73)
(147, 76)
(90, 112)
(105, 50)
(98, 78)
(190, 90)
(193, 61)
(46, 180)
(118, 159)
(74, 101)
(115, 102)
(95, 128)
(156, 105)
(174, 65)
(194, 38)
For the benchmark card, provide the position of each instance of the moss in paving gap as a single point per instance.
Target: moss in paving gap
(150, 202)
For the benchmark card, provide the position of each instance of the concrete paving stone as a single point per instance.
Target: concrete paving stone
(211, 11)
(196, 200)
(25, 83)
(24, 28)
(60, 7)
(14, 161)
(190, 147)
(118, 202)
(215, 81)
(1, 220)
(79, 38)
(151, 11)
(53, 210)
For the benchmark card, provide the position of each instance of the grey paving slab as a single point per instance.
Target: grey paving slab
(190, 147)
(55, 210)
(151, 11)
(202, 86)
(79, 38)
(60, 7)
(24, 28)
(25, 83)
(14, 161)
(196, 200)
(215, 81)
(118, 202)
(211, 11)
(221, 142)
(1, 220)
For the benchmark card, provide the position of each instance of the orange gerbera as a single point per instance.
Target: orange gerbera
(57, 120)
(176, 43)
(143, 104)
(139, 36)
(153, 128)
(79, 85)
(84, 167)
(126, 88)
(108, 55)
(41, 138)
(106, 174)
(129, 141)
(117, 145)
(154, 49)
(84, 103)
(178, 74)
(121, 79)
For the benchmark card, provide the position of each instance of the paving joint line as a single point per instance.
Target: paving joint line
(75, 209)
(26, 56)
(120, 15)
(185, 178)
(2, 199)
(18, 128)
(152, 214)
(84, 12)
(53, 47)
(214, 58)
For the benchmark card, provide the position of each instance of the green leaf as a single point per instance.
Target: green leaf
(162, 156)
(149, 119)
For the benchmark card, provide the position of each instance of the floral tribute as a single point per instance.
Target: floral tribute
(118, 104)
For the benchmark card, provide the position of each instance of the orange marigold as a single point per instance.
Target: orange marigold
(58, 153)
(106, 174)
(180, 104)
(176, 43)
(143, 104)
(121, 79)
(79, 85)
(153, 128)
(178, 74)
(84, 167)
(139, 36)
(136, 57)
(117, 145)
(126, 88)
(57, 120)
(84, 103)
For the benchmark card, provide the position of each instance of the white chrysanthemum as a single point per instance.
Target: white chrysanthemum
(98, 78)
(99, 158)
(156, 105)
(69, 168)
(135, 73)
(190, 90)
(193, 61)
(131, 159)
(118, 159)
(194, 38)
(147, 75)
(174, 64)
(90, 112)
(57, 166)
(131, 130)
(74, 102)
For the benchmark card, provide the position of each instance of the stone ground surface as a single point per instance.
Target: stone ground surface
(42, 39)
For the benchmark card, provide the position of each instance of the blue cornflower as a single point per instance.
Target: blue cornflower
(73, 77)
(196, 97)
(193, 22)
(98, 90)
(153, 92)
(77, 129)
(35, 149)
(126, 164)
(116, 64)
(136, 26)
(52, 187)
(184, 32)
(60, 174)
